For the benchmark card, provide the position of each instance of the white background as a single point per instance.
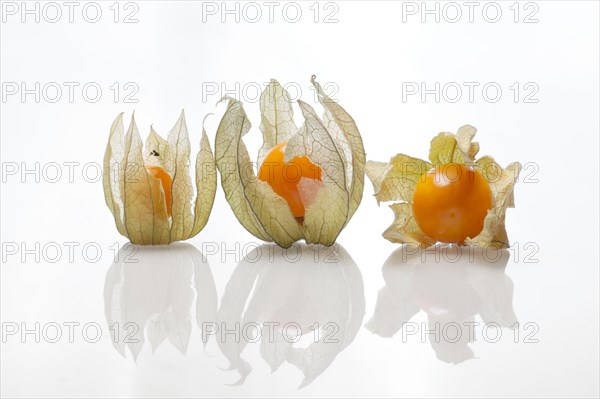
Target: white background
(370, 54)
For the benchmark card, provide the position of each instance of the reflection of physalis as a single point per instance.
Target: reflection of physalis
(310, 180)
(149, 294)
(306, 310)
(149, 188)
(454, 198)
(453, 290)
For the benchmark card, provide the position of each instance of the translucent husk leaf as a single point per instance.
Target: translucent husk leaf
(144, 219)
(182, 190)
(277, 118)
(502, 183)
(454, 148)
(404, 229)
(157, 151)
(377, 171)
(396, 180)
(262, 212)
(345, 132)
(112, 171)
(325, 218)
(206, 184)
(145, 213)
(473, 150)
(464, 139)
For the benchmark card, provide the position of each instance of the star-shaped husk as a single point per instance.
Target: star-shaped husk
(333, 143)
(137, 199)
(396, 181)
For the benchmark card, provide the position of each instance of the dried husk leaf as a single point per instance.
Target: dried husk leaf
(182, 191)
(473, 150)
(454, 148)
(145, 213)
(404, 229)
(206, 184)
(277, 118)
(464, 138)
(345, 132)
(502, 183)
(377, 171)
(325, 218)
(444, 150)
(262, 212)
(157, 151)
(396, 180)
(113, 169)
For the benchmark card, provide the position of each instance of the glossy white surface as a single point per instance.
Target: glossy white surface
(361, 292)
(172, 297)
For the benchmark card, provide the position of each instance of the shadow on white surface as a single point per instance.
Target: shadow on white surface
(305, 304)
(149, 292)
(451, 285)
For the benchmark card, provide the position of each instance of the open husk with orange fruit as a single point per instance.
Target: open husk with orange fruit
(309, 180)
(452, 198)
